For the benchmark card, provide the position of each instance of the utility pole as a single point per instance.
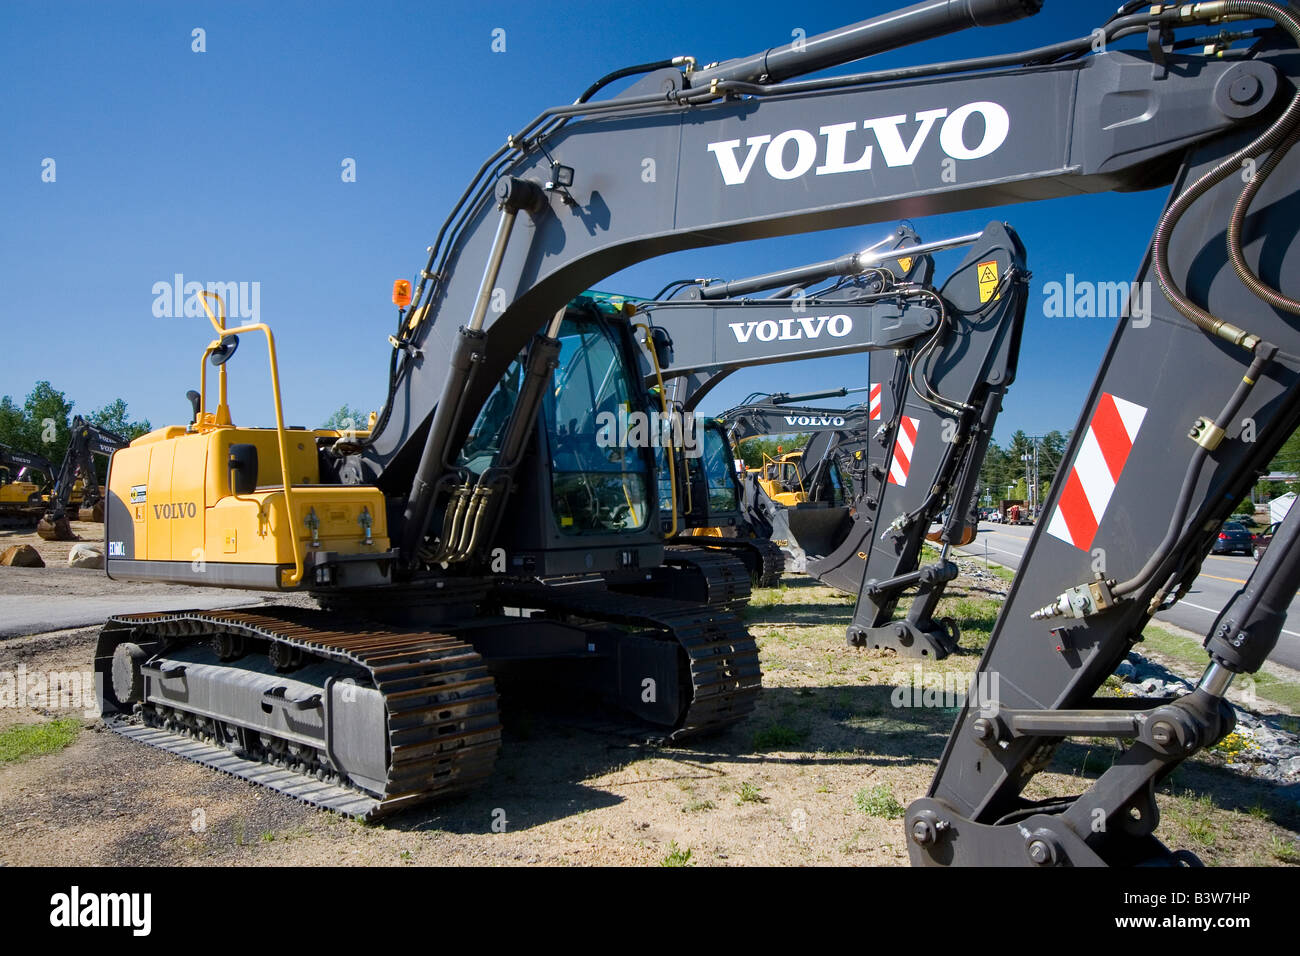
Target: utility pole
(1037, 479)
(1028, 458)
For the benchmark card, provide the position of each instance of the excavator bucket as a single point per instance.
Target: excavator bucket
(58, 530)
(818, 527)
(967, 536)
(95, 510)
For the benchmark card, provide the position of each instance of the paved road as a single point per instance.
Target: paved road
(37, 600)
(1221, 576)
(22, 615)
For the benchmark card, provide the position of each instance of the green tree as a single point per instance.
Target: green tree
(347, 418)
(114, 418)
(11, 422)
(1287, 461)
(46, 426)
(752, 451)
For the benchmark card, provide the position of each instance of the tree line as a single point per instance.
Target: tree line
(1004, 472)
(42, 424)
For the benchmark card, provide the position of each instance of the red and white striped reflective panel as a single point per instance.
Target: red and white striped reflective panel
(874, 398)
(1097, 467)
(904, 445)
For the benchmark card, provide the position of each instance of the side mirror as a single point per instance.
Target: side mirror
(243, 469)
(222, 353)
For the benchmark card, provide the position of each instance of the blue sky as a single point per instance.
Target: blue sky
(225, 166)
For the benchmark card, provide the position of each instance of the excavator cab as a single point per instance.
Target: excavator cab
(599, 479)
(712, 488)
(586, 503)
(782, 478)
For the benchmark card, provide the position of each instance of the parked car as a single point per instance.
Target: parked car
(1263, 540)
(995, 517)
(1233, 539)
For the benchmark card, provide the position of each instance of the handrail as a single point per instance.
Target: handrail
(663, 404)
(299, 569)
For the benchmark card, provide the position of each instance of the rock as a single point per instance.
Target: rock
(21, 556)
(86, 556)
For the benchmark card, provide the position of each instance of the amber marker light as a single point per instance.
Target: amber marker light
(401, 293)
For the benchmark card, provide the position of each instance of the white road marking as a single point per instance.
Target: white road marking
(1210, 610)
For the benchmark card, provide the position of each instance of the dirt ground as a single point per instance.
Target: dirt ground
(815, 776)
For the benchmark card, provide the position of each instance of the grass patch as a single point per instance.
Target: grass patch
(1194, 814)
(1284, 851)
(748, 793)
(676, 856)
(998, 571)
(976, 618)
(35, 740)
(778, 737)
(878, 801)
(699, 806)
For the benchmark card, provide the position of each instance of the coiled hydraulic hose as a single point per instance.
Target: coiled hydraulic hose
(1279, 138)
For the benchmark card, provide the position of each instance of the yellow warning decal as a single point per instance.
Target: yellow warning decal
(905, 264)
(988, 279)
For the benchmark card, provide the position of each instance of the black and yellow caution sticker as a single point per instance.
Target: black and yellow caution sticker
(988, 279)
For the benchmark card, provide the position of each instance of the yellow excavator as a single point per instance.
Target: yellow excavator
(781, 478)
(21, 499)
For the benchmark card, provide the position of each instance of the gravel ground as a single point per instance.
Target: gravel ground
(808, 779)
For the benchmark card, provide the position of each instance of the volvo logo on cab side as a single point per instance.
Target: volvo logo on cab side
(833, 144)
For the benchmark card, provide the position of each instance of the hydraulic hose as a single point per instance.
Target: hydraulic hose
(609, 78)
(1279, 137)
(1225, 417)
(1235, 226)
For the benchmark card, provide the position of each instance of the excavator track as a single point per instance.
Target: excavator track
(725, 676)
(439, 705)
(708, 576)
(725, 577)
(768, 558)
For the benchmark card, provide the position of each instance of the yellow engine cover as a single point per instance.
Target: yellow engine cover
(172, 515)
(17, 492)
